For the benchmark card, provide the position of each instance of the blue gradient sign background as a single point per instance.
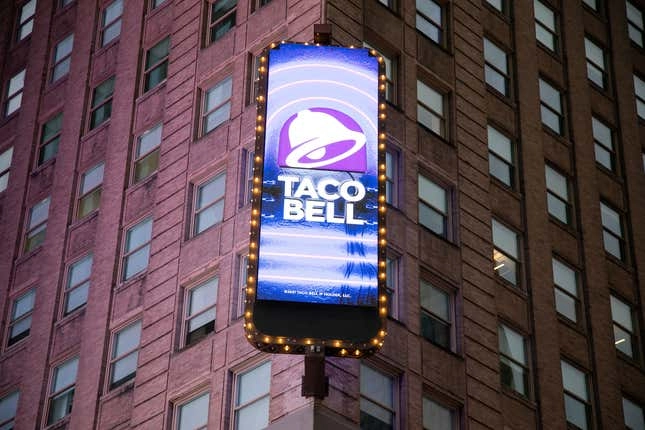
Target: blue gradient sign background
(319, 212)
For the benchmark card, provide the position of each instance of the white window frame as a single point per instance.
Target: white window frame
(432, 314)
(596, 66)
(151, 152)
(26, 19)
(36, 228)
(74, 283)
(639, 93)
(498, 143)
(90, 191)
(210, 308)
(24, 316)
(50, 138)
(547, 108)
(222, 104)
(624, 327)
(13, 93)
(369, 400)
(603, 137)
(425, 204)
(432, 409)
(424, 20)
(61, 58)
(513, 360)
(493, 69)
(217, 200)
(193, 402)
(438, 122)
(129, 252)
(558, 194)
(238, 406)
(5, 167)
(607, 213)
(503, 257)
(565, 282)
(9, 407)
(117, 357)
(113, 23)
(635, 25)
(573, 394)
(66, 391)
(546, 32)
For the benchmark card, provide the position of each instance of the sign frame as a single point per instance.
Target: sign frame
(285, 342)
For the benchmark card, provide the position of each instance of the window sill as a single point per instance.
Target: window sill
(445, 239)
(86, 219)
(138, 277)
(512, 288)
(51, 86)
(506, 99)
(203, 232)
(27, 255)
(554, 54)
(67, 319)
(151, 92)
(434, 134)
(554, 134)
(38, 169)
(620, 263)
(142, 182)
(152, 12)
(64, 9)
(604, 92)
(96, 130)
(441, 348)
(567, 228)
(610, 173)
(16, 348)
(511, 191)
(573, 325)
(631, 361)
(203, 136)
(441, 45)
(60, 424)
(597, 13)
(183, 347)
(101, 49)
(389, 9)
(503, 15)
(117, 391)
(6, 119)
(509, 392)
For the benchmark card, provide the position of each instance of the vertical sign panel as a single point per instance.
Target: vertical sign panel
(317, 245)
(319, 234)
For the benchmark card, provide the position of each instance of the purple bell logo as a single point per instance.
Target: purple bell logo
(322, 138)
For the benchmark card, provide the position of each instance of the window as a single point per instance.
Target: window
(603, 144)
(246, 181)
(392, 177)
(8, 408)
(565, 281)
(257, 4)
(101, 103)
(62, 58)
(156, 64)
(639, 91)
(37, 225)
(392, 285)
(64, 3)
(5, 166)
(201, 310)
(430, 109)
(433, 206)
(612, 231)
(596, 64)
(377, 401)
(545, 30)
(430, 19)
(551, 107)
(242, 274)
(61, 395)
(217, 105)
(557, 195)
(436, 315)
(576, 396)
(49, 139)
(21, 312)
(14, 93)
(221, 18)
(26, 19)
(193, 415)
(496, 67)
(436, 416)
(496, 4)
(252, 390)
(147, 153)
(209, 204)
(500, 157)
(90, 192)
(593, 4)
(390, 4)
(137, 248)
(633, 415)
(111, 22)
(624, 338)
(253, 79)
(390, 74)
(156, 3)
(512, 361)
(125, 352)
(635, 26)
(505, 253)
(78, 284)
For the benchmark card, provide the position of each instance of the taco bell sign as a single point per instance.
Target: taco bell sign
(318, 231)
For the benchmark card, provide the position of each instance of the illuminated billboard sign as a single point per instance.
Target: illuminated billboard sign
(317, 237)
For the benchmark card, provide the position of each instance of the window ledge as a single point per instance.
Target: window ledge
(101, 49)
(578, 327)
(610, 173)
(91, 133)
(441, 45)
(567, 228)
(506, 99)
(620, 263)
(552, 133)
(389, 9)
(204, 136)
(509, 392)
(150, 13)
(6, 119)
(26, 256)
(86, 219)
(143, 182)
(500, 14)
(51, 86)
(433, 134)
(554, 54)
(631, 361)
(60, 424)
(151, 92)
(441, 348)
(518, 290)
(182, 347)
(512, 192)
(16, 348)
(38, 169)
(605, 92)
(123, 284)
(67, 319)
(445, 239)
(118, 391)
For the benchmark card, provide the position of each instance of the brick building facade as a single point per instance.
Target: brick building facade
(516, 244)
